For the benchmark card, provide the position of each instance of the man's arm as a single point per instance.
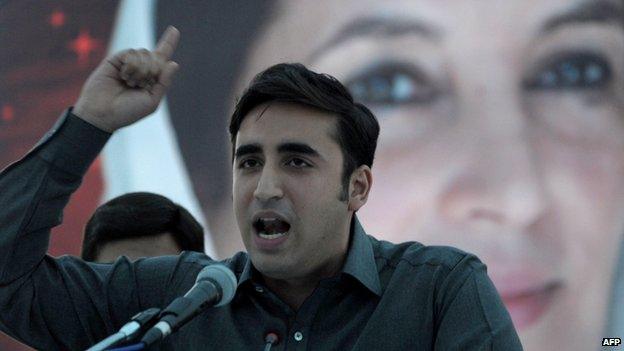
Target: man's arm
(66, 303)
(471, 314)
(42, 298)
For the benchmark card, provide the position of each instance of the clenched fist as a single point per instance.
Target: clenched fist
(128, 85)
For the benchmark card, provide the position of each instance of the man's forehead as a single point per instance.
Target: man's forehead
(278, 123)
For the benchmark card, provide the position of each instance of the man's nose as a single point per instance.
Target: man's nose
(269, 185)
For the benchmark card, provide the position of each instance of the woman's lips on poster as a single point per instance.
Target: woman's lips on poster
(526, 294)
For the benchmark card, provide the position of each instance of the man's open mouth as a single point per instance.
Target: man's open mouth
(271, 227)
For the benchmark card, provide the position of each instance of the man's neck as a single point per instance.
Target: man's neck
(295, 291)
(292, 293)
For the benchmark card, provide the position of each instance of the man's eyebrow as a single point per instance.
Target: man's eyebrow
(299, 148)
(383, 26)
(588, 12)
(247, 149)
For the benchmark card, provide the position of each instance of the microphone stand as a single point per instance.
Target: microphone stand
(215, 286)
(137, 324)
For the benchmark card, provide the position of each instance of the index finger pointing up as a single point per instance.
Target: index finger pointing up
(168, 42)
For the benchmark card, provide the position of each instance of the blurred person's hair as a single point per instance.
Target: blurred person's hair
(357, 127)
(140, 214)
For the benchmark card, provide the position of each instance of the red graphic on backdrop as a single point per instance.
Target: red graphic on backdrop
(57, 18)
(83, 46)
(8, 113)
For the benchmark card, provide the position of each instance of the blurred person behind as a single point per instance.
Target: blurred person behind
(140, 224)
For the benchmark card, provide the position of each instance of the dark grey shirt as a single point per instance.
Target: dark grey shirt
(387, 296)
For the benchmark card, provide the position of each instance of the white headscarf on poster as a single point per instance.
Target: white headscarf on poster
(145, 156)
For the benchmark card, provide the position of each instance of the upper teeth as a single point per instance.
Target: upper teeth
(271, 236)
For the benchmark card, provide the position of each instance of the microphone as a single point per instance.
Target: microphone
(270, 339)
(215, 286)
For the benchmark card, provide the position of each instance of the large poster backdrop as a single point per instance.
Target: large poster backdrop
(502, 127)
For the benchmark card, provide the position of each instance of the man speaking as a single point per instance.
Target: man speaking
(311, 279)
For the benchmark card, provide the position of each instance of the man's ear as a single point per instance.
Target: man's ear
(359, 186)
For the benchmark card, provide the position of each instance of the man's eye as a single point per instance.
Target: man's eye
(297, 163)
(580, 70)
(248, 163)
(391, 83)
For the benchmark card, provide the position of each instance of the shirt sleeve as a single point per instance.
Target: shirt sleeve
(472, 314)
(63, 303)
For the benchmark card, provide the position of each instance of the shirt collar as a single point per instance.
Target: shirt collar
(247, 272)
(360, 262)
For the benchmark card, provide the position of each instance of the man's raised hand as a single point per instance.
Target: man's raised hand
(128, 85)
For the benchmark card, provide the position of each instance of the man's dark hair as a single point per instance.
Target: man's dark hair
(140, 214)
(357, 127)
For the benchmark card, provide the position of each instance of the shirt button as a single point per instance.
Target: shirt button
(259, 289)
(298, 336)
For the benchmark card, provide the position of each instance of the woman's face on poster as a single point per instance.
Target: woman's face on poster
(502, 133)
